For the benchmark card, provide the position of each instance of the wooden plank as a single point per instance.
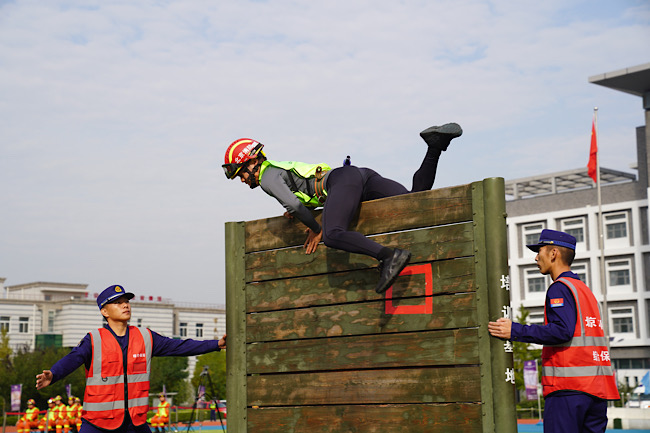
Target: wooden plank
(448, 276)
(402, 418)
(422, 209)
(438, 243)
(236, 326)
(391, 386)
(413, 349)
(448, 312)
(496, 268)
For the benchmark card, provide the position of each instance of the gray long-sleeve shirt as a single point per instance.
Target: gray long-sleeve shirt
(276, 183)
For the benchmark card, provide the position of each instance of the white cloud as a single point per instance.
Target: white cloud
(115, 114)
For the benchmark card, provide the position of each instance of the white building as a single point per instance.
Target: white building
(567, 201)
(45, 314)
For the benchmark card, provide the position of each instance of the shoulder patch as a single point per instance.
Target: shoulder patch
(557, 302)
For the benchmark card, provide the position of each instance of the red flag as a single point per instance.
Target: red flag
(593, 154)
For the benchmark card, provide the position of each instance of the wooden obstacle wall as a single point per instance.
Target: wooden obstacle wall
(312, 347)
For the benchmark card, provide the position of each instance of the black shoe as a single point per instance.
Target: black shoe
(439, 137)
(390, 269)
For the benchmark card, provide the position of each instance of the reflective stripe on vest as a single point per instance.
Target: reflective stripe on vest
(305, 171)
(105, 379)
(582, 363)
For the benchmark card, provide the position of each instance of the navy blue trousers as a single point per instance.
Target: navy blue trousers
(348, 186)
(575, 413)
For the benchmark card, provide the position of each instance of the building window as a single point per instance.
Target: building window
(629, 363)
(581, 270)
(50, 321)
(139, 323)
(536, 318)
(619, 273)
(4, 324)
(622, 320)
(575, 227)
(199, 330)
(182, 329)
(616, 225)
(535, 282)
(617, 230)
(23, 325)
(531, 233)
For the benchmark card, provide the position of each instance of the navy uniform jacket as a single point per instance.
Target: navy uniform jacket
(160, 346)
(561, 321)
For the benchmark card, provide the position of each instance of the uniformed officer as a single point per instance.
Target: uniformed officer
(117, 358)
(577, 376)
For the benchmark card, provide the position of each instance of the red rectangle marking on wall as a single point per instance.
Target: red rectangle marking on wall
(427, 307)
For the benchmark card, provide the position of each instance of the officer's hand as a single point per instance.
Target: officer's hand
(501, 328)
(287, 215)
(222, 342)
(44, 379)
(312, 241)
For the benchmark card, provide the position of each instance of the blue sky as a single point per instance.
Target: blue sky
(115, 114)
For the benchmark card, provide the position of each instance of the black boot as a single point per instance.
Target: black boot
(439, 137)
(390, 268)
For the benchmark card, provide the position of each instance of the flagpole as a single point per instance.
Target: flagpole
(601, 237)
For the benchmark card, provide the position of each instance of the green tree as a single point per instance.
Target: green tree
(5, 349)
(524, 352)
(5, 362)
(24, 365)
(170, 371)
(216, 363)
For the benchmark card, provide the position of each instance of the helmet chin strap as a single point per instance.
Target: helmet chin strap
(251, 174)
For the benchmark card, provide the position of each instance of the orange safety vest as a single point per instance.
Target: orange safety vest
(104, 396)
(31, 414)
(163, 409)
(72, 411)
(62, 411)
(56, 411)
(52, 414)
(582, 363)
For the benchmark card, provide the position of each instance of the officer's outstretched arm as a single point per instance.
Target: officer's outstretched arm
(43, 379)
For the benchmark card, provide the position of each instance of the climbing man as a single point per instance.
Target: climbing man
(340, 191)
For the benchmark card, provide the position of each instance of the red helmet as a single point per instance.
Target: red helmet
(238, 153)
(31, 401)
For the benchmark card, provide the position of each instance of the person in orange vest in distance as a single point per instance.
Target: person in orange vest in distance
(577, 375)
(30, 420)
(77, 415)
(61, 412)
(161, 418)
(117, 359)
(71, 414)
(50, 417)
